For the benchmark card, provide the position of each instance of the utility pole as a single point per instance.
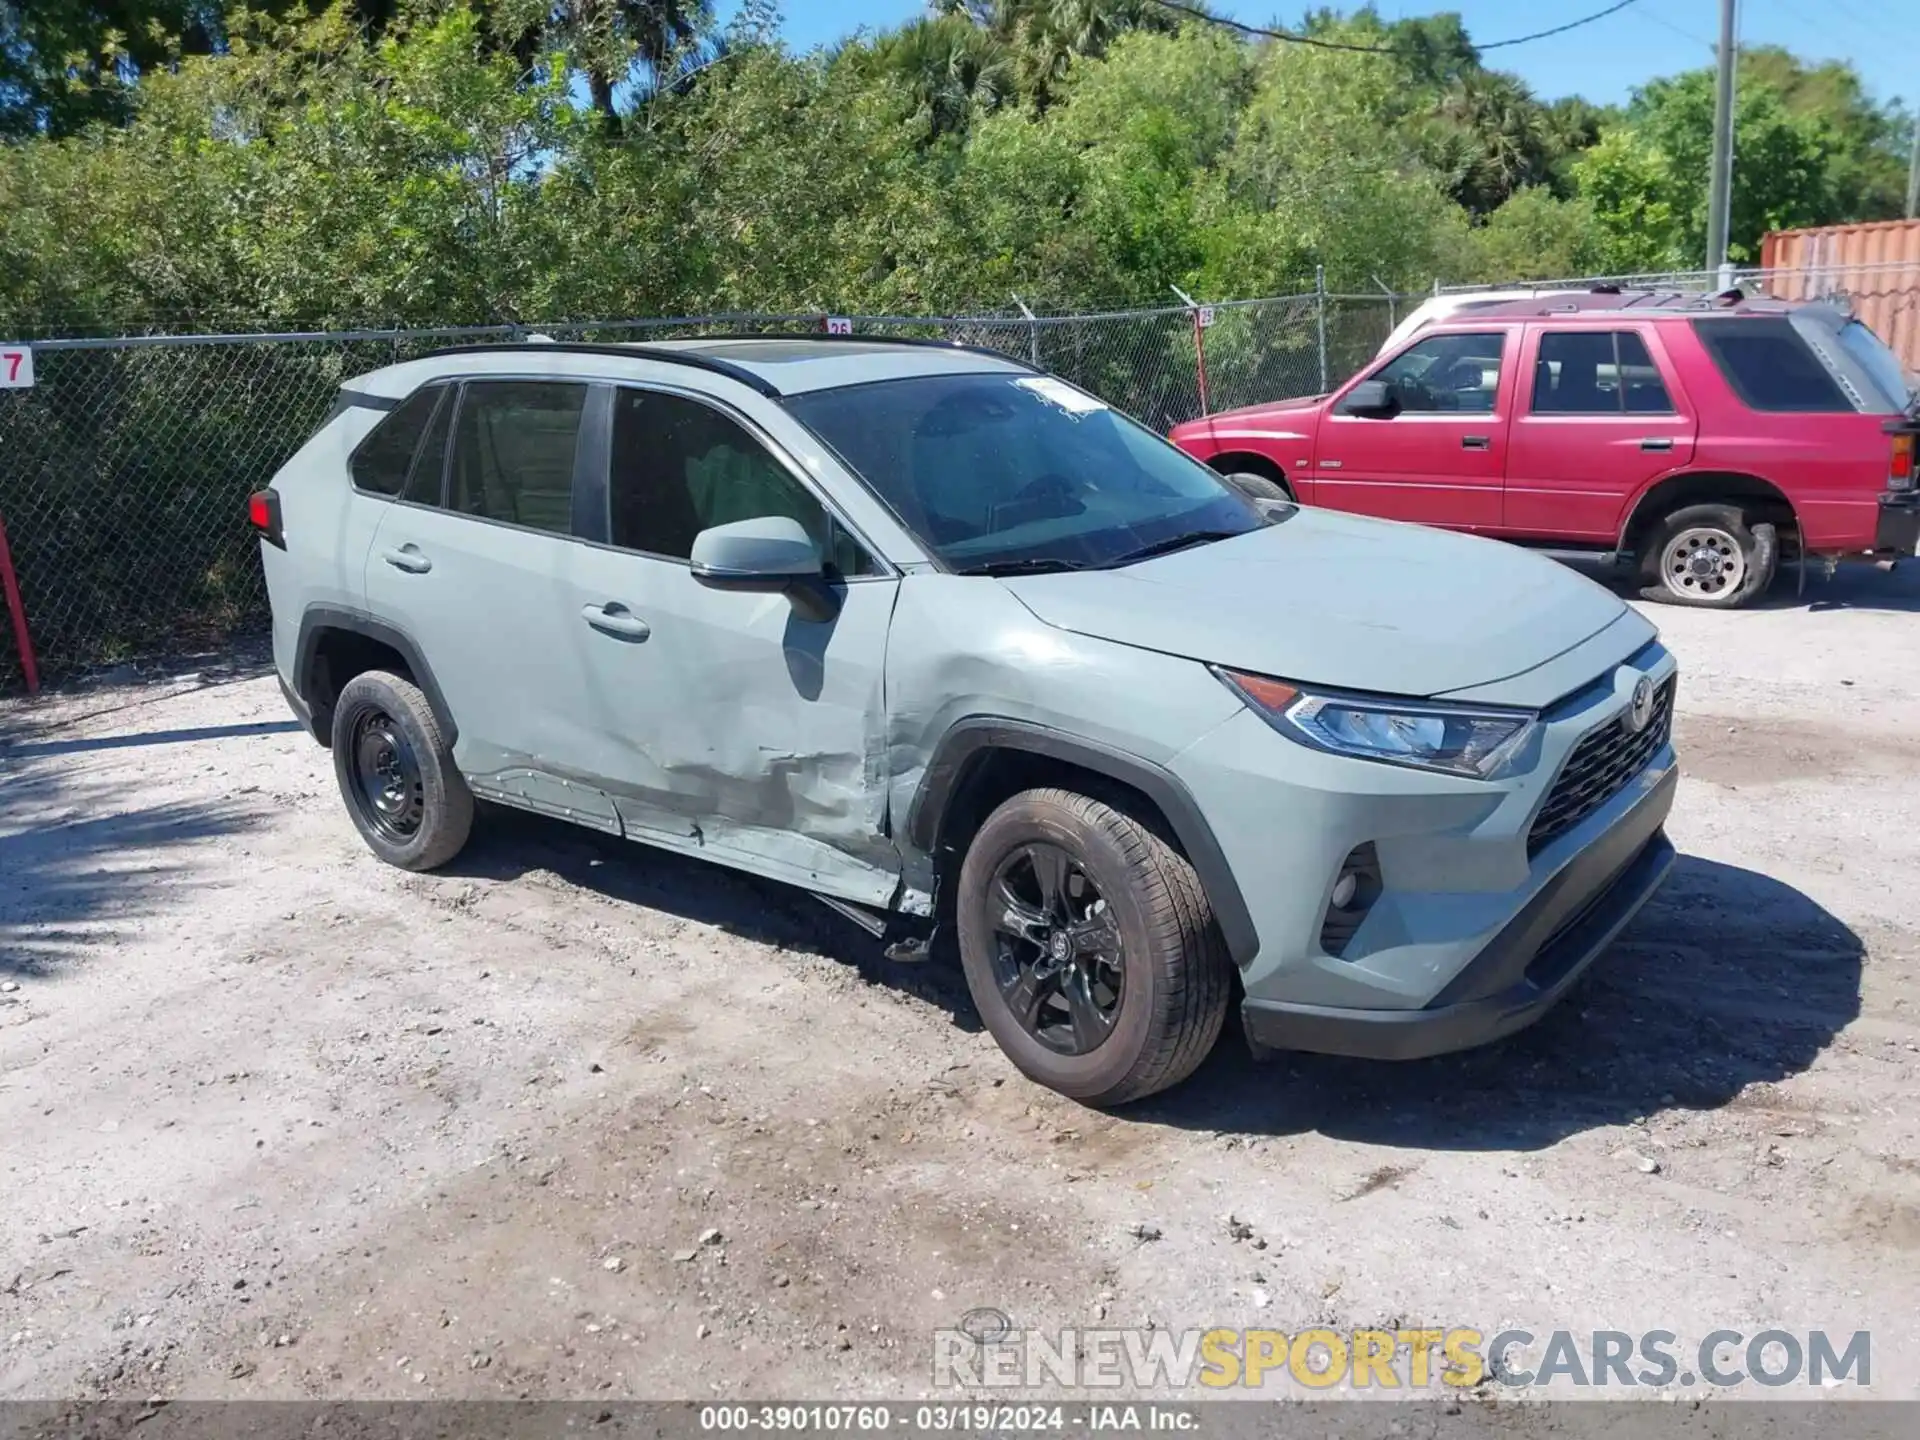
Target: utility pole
(1720, 189)
(1913, 173)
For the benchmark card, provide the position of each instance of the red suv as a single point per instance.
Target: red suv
(1687, 441)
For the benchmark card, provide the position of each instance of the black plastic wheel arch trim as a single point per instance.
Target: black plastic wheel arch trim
(320, 619)
(969, 738)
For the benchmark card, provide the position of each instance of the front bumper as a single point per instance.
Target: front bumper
(1527, 967)
(1899, 529)
(1466, 904)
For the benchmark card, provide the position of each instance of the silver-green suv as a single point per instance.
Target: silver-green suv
(946, 640)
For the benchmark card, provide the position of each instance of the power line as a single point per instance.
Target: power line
(1558, 29)
(1198, 14)
(1664, 24)
(1294, 38)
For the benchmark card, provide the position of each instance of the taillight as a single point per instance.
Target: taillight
(263, 514)
(1900, 468)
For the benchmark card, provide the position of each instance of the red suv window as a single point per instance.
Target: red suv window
(1597, 372)
(1770, 367)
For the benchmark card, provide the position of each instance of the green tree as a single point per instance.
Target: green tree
(1536, 235)
(1809, 149)
(1642, 204)
(952, 67)
(1489, 137)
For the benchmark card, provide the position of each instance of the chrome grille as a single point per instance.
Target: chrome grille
(1600, 765)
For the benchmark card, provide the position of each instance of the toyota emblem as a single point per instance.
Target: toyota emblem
(1640, 711)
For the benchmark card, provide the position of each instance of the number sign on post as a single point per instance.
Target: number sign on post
(16, 367)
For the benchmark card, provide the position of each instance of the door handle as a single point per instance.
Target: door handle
(409, 559)
(616, 619)
(1657, 442)
(1476, 442)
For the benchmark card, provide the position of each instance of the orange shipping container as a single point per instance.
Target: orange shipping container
(1875, 267)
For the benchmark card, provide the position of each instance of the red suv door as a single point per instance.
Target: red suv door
(1438, 456)
(1601, 417)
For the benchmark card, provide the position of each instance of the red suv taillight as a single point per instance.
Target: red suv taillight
(263, 514)
(1900, 468)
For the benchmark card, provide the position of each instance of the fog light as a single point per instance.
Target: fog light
(1354, 891)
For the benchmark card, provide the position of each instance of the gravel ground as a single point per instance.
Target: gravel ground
(574, 1119)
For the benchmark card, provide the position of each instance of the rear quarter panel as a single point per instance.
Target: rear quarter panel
(327, 526)
(1831, 467)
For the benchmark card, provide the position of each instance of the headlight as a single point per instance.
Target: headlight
(1456, 739)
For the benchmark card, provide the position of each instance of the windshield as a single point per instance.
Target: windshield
(1870, 353)
(999, 471)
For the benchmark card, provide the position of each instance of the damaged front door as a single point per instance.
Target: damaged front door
(727, 723)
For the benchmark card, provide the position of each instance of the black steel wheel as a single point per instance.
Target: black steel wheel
(386, 774)
(1089, 947)
(396, 773)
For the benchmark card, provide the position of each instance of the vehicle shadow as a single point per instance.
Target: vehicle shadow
(1853, 587)
(507, 844)
(1728, 978)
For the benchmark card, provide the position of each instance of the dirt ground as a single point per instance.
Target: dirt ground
(575, 1119)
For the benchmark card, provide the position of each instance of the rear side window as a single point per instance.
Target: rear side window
(1770, 367)
(513, 449)
(381, 462)
(1597, 372)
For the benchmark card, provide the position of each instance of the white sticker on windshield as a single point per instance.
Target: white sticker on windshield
(1058, 392)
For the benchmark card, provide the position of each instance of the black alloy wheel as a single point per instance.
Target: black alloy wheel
(1057, 953)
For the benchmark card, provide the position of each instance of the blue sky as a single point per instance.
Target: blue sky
(1602, 61)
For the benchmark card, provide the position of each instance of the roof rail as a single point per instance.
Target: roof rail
(698, 360)
(693, 359)
(923, 341)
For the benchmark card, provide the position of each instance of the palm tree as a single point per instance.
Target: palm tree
(1491, 121)
(952, 67)
(611, 40)
(1047, 36)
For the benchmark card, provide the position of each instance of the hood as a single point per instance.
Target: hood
(1253, 419)
(1341, 601)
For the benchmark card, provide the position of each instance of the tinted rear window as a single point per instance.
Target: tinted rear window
(381, 462)
(1770, 367)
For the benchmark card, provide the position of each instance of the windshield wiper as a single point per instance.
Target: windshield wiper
(1040, 565)
(1171, 544)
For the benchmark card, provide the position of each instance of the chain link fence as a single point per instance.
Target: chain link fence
(124, 469)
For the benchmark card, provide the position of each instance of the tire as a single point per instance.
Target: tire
(396, 773)
(1150, 986)
(1258, 487)
(1709, 556)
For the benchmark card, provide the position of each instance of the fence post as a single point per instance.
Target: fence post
(1033, 333)
(29, 667)
(1199, 344)
(1392, 319)
(1320, 309)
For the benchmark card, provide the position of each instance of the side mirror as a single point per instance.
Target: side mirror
(1373, 399)
(771, 554)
